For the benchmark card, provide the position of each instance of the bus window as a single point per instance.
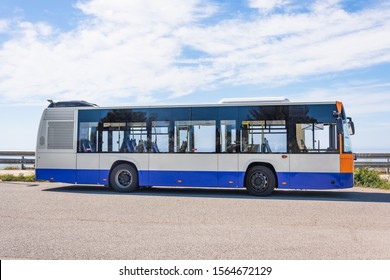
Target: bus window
(182, 136)
(137, 135)
(348, 129)
(316, 137)
(113, 135)
(263, 136)
(124, 137)
(87, 137)
(228, 136)
(195, 136)
(160, 137)
(204, 136)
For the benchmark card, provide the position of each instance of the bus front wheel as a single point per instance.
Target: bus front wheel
(260, 180)
(124, 178)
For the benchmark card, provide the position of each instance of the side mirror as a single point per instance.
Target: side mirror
(339, 123)
(351, 126)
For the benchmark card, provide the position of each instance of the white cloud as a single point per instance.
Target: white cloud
(290, 46)
(141, 49)
(3, 25)
(267, 5)
(145, 13)
(360, 98)
(123, 49)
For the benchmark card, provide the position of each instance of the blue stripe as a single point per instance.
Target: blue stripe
(87, 176)
(318, 180)
(286, 180)
(56, 175)
(346, 180)
(194, 178)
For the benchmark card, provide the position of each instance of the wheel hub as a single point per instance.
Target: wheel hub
(259, 181)
(124, 178)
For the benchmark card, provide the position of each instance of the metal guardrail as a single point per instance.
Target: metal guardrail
(17, 157)
(371, 160)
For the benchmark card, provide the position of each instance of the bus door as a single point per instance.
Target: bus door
(314, 161)
(228, 173)
(87, 163)
(196, 153)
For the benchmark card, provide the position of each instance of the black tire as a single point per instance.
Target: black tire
(124, 178)
(260, 180)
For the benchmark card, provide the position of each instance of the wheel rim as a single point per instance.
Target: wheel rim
(259, 181)
(123, 178)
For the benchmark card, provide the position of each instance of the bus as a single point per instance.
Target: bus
(257, 144)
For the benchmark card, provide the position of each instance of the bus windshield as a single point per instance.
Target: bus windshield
(348, 130)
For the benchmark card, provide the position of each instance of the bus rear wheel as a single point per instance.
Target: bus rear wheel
(124, 178)
(260, 180)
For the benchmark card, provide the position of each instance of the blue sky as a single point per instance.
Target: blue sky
(143, 52)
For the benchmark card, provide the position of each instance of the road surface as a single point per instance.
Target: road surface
(59, 221)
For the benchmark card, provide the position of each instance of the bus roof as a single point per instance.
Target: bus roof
(228, 103)
(72, 103)
(253, 99)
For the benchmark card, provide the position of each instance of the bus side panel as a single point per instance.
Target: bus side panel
(315, 171)
(314, 180)
(346, 180)
(56, 167)
(56, 175)
(228, 174)
(277, 161)
(88, 168)
(183, 170)
(141, 162)
(346, 169)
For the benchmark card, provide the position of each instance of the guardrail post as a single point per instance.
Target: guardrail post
(22, 165)
(21, 158)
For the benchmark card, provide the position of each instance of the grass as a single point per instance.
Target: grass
(17, 167)
(17, 178)
(11, 167)
(370, 178)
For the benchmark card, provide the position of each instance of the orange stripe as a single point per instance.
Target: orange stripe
(339, 106)
(346, 163)
(346, 160)
(341, 144)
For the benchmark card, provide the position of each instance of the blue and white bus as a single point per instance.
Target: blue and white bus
(255, 144)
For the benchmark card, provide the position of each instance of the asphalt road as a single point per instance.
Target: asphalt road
(57, 221)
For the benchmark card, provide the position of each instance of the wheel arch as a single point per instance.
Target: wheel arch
(266, 164)
(119, 162)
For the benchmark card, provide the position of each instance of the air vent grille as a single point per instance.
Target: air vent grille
(58, 114)
(60, 135)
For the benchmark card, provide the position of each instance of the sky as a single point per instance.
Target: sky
(148, 52)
